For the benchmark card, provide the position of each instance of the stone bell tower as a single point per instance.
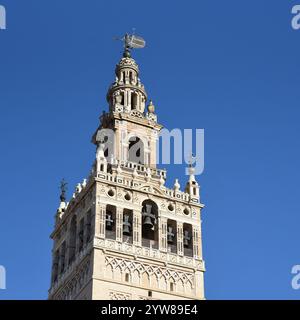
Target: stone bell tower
(124, 234)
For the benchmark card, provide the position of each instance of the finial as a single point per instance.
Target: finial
(63, 188)
(151, 107)
(176, 185)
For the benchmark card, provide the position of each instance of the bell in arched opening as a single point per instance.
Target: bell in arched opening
(109, 221)
(149, 218)
(126, 225)
(186, 238)
(170, 235)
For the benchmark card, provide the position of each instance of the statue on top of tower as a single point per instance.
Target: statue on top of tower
(63, 189)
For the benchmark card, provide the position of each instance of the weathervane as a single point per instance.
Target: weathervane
(131, 41)
(63, 188)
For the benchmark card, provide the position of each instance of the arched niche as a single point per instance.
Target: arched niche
(72, 239)
(150, 224)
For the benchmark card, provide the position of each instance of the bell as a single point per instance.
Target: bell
(186, 239)
(148, 216)
(126, 226)
(148, 223)
(170, 235)
(109, 221)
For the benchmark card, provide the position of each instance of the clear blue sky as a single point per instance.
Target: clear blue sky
(230, 67)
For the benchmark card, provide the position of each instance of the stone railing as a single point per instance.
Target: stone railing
(141, 169)
(177, 194)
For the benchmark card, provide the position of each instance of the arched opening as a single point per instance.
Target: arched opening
(172, 286)
(122, 98)
(55, 266)
(62, 257)
(134, 101)
(110, 222)
(136, 150)
(150, 224)
(127, 196)
(88, 226)
(72, 243)
(81, 235)
(127, 225)
(188, 239)
(172, 236)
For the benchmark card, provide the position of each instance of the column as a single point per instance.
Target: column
(100, 221)
(200, 243)
(196, 241)
(138, 105)
(162, 235)
(130, 99)
(126, 92)
(137, 228)
(119, 225)
(180, 250)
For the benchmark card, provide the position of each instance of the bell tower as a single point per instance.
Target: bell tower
(124, 234)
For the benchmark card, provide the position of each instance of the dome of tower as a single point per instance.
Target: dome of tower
(127, 62)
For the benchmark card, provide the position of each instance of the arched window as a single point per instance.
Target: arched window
(88, 226)
(123, 98)
(127, 225)
(188, 239)
(72, 241)
(81, 235)
(62, 257)
(110, 222)
(55, 266)
(150, 224)
(136, 150)
(171, 286)
(134, 101)
(172, 236)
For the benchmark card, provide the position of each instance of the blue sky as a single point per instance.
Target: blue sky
(230, 67)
